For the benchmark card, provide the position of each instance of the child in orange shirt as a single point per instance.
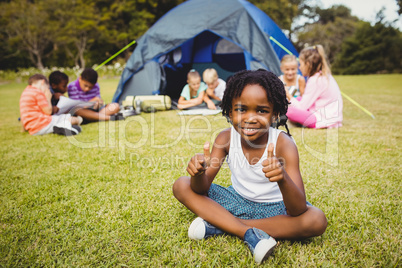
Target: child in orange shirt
(36, 110)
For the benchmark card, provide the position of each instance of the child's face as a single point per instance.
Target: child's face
(194, 83)
(213, 84)
(303, 68)
(61, 87)
(85, 85)
(289, 69)
(252, 114)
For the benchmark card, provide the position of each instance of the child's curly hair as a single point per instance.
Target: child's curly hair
(273, 86)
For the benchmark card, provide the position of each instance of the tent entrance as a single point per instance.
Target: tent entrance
(206, 50)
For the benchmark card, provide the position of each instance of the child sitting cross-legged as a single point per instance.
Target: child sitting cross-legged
(266, 200)
(86, 88)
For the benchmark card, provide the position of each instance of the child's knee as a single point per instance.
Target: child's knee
(113, 107)
(316, 222)
(180, 186)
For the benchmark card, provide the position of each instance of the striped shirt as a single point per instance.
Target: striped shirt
(75, 92)
(32, 102)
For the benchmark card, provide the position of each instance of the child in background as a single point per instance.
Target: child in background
(36, 110)
(192, 93)
(267, 200)
(290, 78)
(58, 87)
(86, 88)
(215, 90)
(321, 104)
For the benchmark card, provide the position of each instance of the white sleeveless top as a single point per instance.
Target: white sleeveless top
(249, 180)
(297, 94)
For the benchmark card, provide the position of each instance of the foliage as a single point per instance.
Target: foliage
(330, 28)
(73, 33)
(106, 71)
(26, 27)
(46, 33)
(282, 12)
(371, 49)
(76, 202)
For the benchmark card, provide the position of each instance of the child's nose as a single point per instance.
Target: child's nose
(251, 117)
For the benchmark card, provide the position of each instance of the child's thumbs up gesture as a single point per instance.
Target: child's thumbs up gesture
(199, 162)
(271, 166)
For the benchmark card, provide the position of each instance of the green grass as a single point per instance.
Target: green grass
(103, 198)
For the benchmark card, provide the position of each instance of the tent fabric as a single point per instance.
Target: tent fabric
(191, 32)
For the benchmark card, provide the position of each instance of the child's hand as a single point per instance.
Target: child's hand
(200, 162)
(271, 166)
(57, 95)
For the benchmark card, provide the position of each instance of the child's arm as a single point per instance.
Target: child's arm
(302, 85)
(284, 169)
(183, 103)
(46, 108)
(98, 102)
(209, 103)
(210, 92)
(204, 167)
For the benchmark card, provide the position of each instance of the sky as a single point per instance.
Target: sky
(367, 9)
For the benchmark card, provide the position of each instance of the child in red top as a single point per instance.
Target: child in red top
(36, 110)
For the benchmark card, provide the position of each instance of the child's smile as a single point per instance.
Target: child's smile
(252, 114)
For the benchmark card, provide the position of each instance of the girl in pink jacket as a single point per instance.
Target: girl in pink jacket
(321, 104)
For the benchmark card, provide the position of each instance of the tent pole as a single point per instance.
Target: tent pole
(115, 55)
(358, 105)
(280, 45)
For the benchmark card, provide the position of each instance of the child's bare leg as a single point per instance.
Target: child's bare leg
(74, 120)
(309, 224)
(208, 209)
(91, 115)
(111, 108)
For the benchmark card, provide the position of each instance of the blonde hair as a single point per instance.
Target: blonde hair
(193, 74)
(289, 58)
(210, 75)
(37, 77)
(316, 60)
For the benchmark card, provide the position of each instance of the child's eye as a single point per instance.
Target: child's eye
(239, 109)
(263, 111)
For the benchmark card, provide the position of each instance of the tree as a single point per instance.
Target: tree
(75, 24)
(26, 28)
(281, 11)
(371, 49)
(399, 2)
(330, 28)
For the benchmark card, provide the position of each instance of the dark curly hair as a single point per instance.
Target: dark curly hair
(89, 75)
(273, 86)
(57, 77)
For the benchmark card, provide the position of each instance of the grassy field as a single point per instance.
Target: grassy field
(103, 198)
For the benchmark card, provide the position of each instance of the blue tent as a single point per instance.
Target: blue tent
(228, 35)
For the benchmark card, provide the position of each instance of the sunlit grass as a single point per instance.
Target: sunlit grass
(103, 198)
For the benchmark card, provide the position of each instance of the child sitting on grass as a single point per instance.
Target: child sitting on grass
(58, 87)
(290, 78)
(192, 93)
(215, 90)
(86, 88)
(36, 110)
(321, 104)
(267, 200)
